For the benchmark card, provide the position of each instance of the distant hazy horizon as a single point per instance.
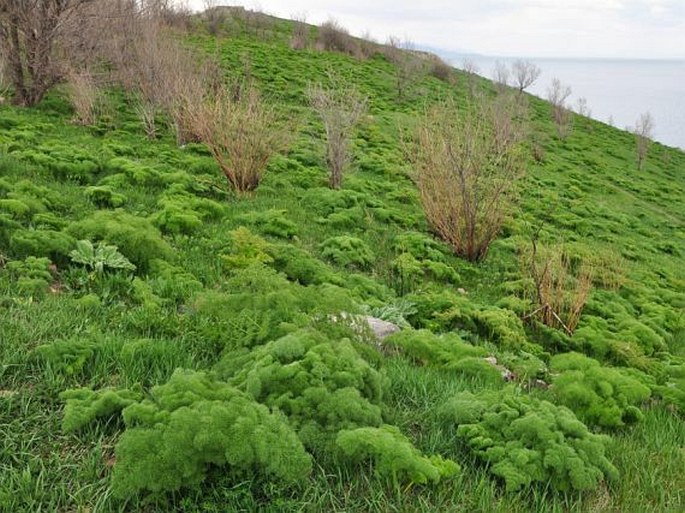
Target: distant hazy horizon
(608, 28)
(620, 89)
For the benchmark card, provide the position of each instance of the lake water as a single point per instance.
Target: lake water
(616, 89)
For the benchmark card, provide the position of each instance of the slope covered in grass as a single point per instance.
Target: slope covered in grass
(247, 296)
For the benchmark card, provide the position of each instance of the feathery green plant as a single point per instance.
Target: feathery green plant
(393, 455)
(84, 405)
(602, 396)
(526, 440)
(347, 251)
(321, 385)
(194, 422)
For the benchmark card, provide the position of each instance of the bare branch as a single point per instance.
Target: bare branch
(557, 94)
(340, 110)
(465, 166)
(525, 74)
(643, 136)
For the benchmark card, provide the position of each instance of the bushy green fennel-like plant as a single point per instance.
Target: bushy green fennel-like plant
(347, 251)
(84, 405)
(602, 396)
(393, 455)
(323, 386)
(32, 274)
(446, 351)
(525, 440)
(194, 421)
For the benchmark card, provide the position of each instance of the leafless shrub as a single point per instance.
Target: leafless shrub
(46, 40)
(465, 173)
(214, 15)
(84, 38)
(340, 110)
(557, 94)
(500, 75)
(469, 66)
(409, 67)
(260, 23)
(149, 72)
(103, 41)
(643, 131)
(560, 292)
(441, 70)
(300, 36)
(84, 96)
(333, 37)
(471, 69)
(509, 119)
(525, 74)
(164, 77)
(193, 83)
(242, 134)
(537, 147)
(582, 108)
(368, 46)
(172, 13)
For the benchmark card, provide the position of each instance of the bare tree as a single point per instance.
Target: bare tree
(300, 36)
(30, 34)
(525, 74)
(340, 110)
(582, 108)
(557, 94)
(643, 131)
(465, 173)
(214, 15)
(469, 66)
(4, 80)
(471, 69)
(500, 75)
(409, 67)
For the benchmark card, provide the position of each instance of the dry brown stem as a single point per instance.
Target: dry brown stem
(83, 95)
(466, 165)
(31, 33)
(340, 111)
(643, 137)
(560, 292)
(241, 133)
(557, 94)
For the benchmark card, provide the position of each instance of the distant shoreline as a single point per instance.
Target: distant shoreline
(615, 89)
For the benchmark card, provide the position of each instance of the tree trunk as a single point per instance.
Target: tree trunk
(15, 64)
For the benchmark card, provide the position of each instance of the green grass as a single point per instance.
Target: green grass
(587, 190)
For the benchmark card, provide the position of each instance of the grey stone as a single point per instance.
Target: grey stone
(380, 328)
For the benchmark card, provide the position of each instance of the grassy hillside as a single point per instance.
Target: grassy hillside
(246, 289)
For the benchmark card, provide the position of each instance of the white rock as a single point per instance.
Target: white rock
(380, 328)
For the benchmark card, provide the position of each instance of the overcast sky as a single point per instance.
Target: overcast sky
(520, 28)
